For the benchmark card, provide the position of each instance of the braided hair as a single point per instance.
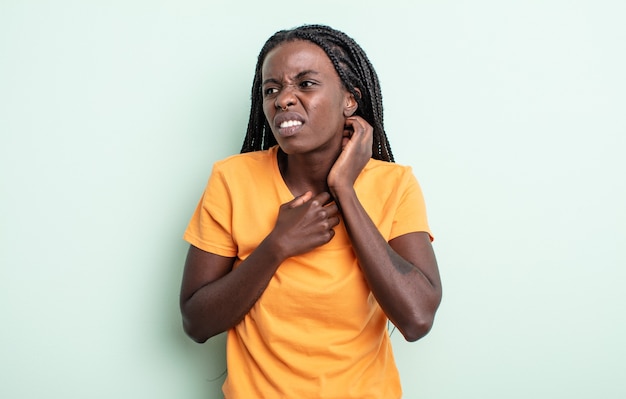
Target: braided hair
(355, 71)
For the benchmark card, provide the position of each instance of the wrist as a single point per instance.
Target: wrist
(342, 193)
(273, 249)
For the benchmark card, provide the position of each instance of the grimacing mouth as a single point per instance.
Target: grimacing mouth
(290, 123)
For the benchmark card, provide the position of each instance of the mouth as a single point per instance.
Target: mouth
(288, 125)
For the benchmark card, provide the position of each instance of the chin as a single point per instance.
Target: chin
(291, 147)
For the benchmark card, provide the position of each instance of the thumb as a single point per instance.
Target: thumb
(300, 200)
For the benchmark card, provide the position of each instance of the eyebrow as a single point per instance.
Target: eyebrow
(298, 76)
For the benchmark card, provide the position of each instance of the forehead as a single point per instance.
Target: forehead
(294, 57)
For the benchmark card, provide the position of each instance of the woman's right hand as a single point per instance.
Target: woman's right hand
(304, 223)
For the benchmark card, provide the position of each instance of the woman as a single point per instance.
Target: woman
(303, 246)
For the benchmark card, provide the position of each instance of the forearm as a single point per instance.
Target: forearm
(221, 304)
(403, 290)
(215, 297)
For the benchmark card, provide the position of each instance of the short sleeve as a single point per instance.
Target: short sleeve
(210, 227)
(410, 215)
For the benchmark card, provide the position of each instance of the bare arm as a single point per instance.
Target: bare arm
(402, 274)
(215, 297)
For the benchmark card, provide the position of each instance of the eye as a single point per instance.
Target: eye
(268, 91)
(306, 84)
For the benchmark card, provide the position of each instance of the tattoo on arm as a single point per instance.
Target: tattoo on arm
(401, 265)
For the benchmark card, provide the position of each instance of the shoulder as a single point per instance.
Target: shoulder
(244, 172)
(386, 178)
(246, 164)
(254, 158)
(382, 170)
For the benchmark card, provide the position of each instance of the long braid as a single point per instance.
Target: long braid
(355, 71)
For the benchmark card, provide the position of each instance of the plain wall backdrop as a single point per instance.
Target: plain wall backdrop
(512, 114)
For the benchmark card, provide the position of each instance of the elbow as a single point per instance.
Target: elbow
(420, 323)
(194, 332)
(422, 320)
(417, 329)
(198, 329)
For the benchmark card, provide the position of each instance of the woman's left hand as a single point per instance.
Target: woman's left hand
(355, 153)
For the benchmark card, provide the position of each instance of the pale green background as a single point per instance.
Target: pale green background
(511, 113)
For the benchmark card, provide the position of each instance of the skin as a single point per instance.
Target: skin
(319, 161)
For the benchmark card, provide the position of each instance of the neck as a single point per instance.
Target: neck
(305, 172)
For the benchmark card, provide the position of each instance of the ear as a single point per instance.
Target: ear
(351, 104)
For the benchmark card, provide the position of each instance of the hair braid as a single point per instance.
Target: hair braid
(355, 71)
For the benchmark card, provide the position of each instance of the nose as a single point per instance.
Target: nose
(286, 98)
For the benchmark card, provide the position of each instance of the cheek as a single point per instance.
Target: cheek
(326, 107)
(268, 110)
(332, 110)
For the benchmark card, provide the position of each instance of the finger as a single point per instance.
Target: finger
(362, 132)
(300, 200)
(356, 123)
(321, 198)
(345, 139)
(333, 221)
(331, 234)
(332, 209)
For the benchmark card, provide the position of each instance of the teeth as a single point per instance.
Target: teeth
(290, 123)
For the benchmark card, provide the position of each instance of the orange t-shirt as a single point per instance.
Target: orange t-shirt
(317, 330)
